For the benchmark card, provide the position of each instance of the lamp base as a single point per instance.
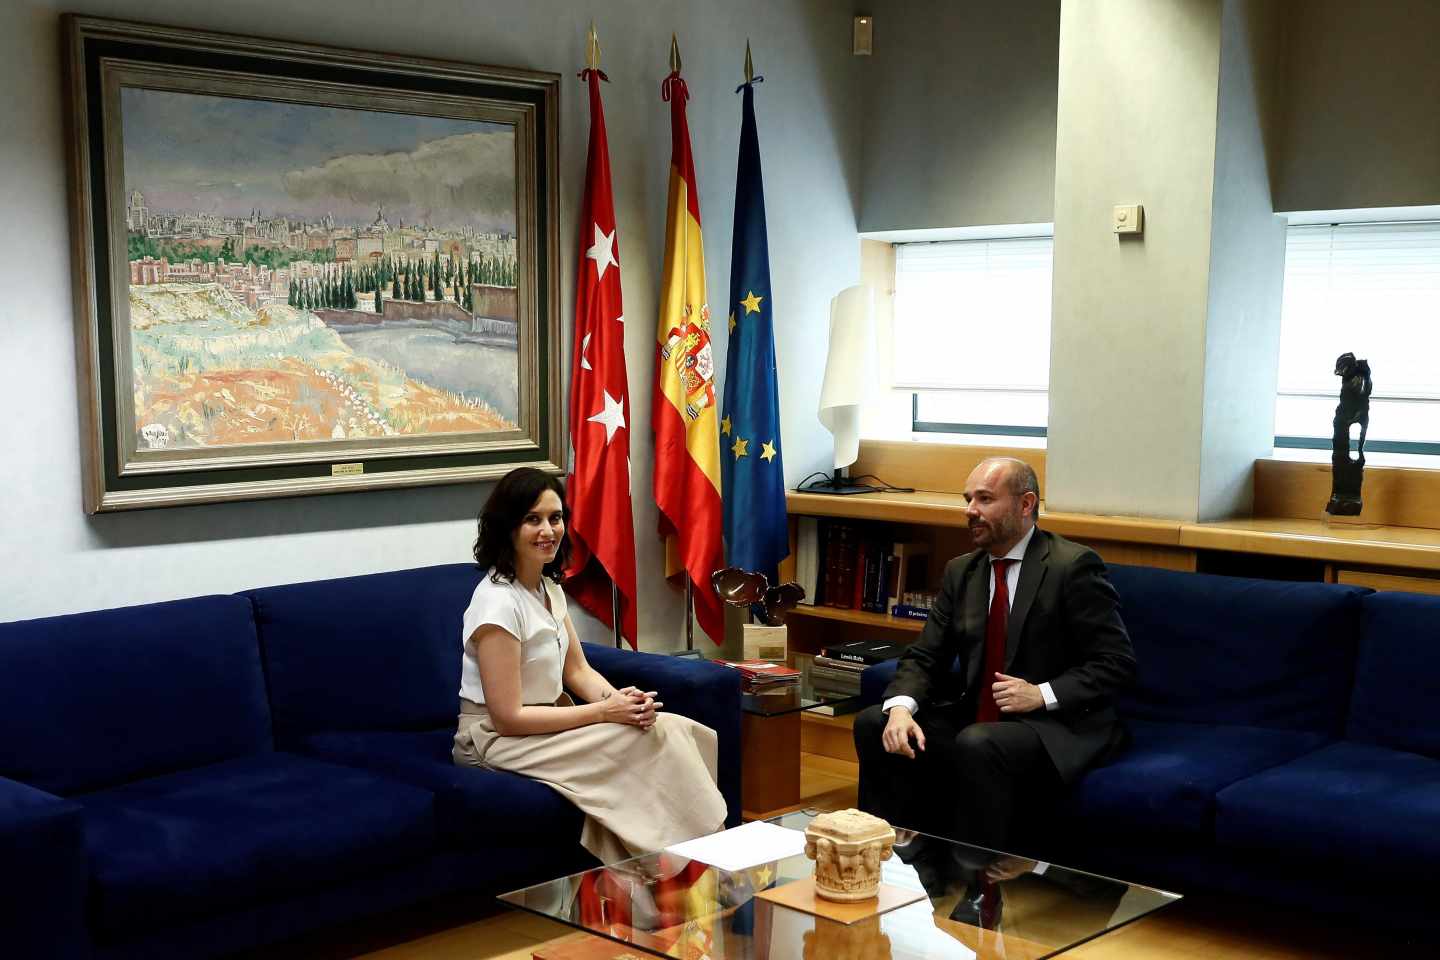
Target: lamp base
(838, 486)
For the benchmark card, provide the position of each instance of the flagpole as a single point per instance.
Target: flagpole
(689, 614)
(689, 584)
(592, 48)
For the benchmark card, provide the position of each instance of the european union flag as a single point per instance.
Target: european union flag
(756, 533)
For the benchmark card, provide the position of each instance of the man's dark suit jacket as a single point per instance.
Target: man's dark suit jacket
(1064, 629)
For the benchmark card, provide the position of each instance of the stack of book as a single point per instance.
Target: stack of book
(763, 673)
(836, 671)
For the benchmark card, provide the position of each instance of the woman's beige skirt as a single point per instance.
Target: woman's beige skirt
(640, 790)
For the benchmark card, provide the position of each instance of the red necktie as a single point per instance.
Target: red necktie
(995, 624)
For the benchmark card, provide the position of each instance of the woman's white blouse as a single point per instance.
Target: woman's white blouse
(541, 632)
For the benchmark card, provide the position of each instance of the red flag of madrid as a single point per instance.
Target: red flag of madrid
(601, 529)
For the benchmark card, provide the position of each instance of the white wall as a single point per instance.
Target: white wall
(1138, 106)
(59, 560)
(959, 114)
(1361, 81)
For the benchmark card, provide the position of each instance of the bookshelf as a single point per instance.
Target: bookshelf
(881, 621)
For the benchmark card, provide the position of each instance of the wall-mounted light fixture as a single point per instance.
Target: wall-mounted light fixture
(860, 43)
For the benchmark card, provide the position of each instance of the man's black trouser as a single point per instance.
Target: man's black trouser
(965, 785)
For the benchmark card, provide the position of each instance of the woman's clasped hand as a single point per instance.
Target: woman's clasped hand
(632, 706)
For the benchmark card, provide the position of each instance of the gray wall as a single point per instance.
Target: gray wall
(960, 114)
(1247, 270)
(58, 560)
(1360, 85)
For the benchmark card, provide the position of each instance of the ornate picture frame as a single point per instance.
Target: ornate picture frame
(301, 269)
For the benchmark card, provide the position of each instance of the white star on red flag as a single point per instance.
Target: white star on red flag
(612, 416)
(603, 251)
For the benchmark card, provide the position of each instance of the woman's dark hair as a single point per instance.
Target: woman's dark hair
(503, 513)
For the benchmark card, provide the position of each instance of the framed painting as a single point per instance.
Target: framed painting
(301, 269)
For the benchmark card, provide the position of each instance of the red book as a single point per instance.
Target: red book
(762, 671)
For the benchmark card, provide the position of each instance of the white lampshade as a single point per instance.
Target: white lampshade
(849, 369)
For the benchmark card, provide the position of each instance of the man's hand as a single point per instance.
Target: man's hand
(1013, 695)
(900, 729)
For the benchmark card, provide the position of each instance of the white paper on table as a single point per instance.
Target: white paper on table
(742, 847)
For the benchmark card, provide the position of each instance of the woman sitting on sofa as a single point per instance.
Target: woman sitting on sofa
(643, 779)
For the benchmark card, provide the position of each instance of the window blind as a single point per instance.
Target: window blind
(1372, 289)
(973, 315)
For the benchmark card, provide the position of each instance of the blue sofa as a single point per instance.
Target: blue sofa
(199, 777)
(1285, 747)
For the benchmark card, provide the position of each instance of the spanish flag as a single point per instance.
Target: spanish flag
(687, 441)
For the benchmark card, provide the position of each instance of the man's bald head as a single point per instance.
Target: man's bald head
(1019, 476)
(1002, 497)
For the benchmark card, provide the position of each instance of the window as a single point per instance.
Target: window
(972, 334)
(1371, 289)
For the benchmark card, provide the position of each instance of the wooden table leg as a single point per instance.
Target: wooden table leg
(770, 763)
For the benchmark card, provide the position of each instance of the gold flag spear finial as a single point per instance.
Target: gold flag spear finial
(674, 54)
(592, 48)
(749, 67)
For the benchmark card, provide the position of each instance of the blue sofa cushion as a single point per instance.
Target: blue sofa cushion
(1166, 782)
(209, 840)
(94, 699)
(1348, 804)
(474, 807)
(42, 853)
(1397, 676)
(389, 641)
(1240, 652)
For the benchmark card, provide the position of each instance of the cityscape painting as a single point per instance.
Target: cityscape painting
(302, 272)
(305, 285)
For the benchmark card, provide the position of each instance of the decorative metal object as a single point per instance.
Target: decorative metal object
(1347, 472)
(741, 588)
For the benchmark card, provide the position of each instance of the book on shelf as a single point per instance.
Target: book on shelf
(839, 668)
(757, 672)
(847, 686)
(835, 685)
(864, 651)
(807, 558)
(909, 569)
(907, 612)
(838, 709)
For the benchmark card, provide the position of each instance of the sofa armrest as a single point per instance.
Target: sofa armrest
(874, 681)
(42, 850)
(705, 692)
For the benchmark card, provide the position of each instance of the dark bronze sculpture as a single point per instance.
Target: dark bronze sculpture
(1354, 407)
(741, 588)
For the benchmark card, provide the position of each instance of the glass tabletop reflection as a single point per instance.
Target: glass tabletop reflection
(977, 903)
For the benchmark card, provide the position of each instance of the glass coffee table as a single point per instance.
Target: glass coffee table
(976, 903)
(770, 742)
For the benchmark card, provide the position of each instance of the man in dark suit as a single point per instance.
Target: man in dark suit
(1042, 651)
